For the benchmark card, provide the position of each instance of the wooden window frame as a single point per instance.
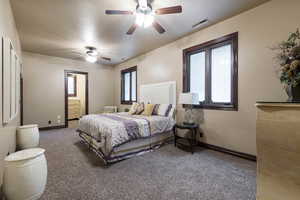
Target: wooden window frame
(207, 47)
(75, 86)
(123, 72)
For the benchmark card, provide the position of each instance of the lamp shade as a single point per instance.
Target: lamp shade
(189, 98)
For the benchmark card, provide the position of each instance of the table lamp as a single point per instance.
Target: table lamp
(189, 99)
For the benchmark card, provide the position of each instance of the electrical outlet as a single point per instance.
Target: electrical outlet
(58, 117)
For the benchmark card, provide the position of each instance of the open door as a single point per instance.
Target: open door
(76, 97)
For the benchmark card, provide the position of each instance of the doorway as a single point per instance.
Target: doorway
(76, 97)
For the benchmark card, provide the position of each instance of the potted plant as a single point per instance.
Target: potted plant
(289, 60)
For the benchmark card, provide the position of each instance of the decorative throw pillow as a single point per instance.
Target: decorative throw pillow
(172, 111)
(133, 108)
(155, 109)
(164, 109)
(148, 109)
(169, 110)
(140, 108)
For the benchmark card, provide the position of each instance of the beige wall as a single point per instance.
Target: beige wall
(259, 29)
(44, 87)
(7, 133)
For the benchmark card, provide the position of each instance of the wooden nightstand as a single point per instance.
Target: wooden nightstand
(192, 141)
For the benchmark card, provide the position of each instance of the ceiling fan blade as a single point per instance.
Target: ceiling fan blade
(118, 12)
(105, 58)
(78, 58)
(158, 27)
(169, 10)
(131, 29)
(76, 53)
(62, 50)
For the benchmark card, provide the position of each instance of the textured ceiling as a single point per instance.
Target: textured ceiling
(60, 27)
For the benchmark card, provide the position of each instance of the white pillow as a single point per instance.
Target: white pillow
(164, 109)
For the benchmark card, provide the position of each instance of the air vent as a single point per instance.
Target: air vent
(200, 23)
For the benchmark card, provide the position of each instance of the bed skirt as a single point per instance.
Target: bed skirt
(127, 150)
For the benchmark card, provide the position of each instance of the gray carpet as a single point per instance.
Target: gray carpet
(167, 173)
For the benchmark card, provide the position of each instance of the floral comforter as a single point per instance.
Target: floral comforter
(112, 130)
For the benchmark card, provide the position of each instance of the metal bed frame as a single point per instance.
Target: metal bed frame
(106, 159)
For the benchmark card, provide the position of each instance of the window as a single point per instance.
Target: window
(72, 85)
(211, 70)
(129, 85)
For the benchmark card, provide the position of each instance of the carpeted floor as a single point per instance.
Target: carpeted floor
(168, 173)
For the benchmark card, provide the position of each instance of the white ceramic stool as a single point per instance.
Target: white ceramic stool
(25, 174)
(28, 136)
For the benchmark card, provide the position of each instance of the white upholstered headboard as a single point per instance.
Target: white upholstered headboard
(159, 93)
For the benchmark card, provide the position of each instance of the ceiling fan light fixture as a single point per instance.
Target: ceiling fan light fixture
(144, 20)
(148, 20)
(140, 18)
(91, 59)
(92, 53)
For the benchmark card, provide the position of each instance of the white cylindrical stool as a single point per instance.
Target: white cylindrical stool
(25, 174)
(28, 136)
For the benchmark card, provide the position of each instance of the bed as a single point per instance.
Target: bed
(118, 136)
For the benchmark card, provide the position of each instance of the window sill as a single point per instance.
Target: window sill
(215, 107)
(127, 102)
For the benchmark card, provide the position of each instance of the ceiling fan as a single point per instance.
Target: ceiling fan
(90, 54)
(145, 15)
